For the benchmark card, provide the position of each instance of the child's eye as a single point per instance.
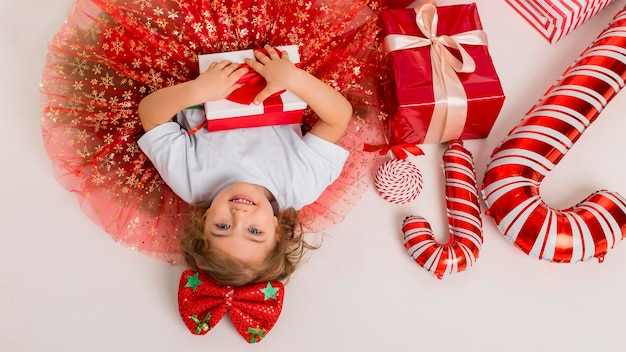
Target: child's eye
(254, 231)
(223, 226)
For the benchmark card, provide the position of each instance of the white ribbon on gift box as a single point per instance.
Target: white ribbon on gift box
(450, 111)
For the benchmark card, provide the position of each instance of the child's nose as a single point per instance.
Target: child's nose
(238, 210)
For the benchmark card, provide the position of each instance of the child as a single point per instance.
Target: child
(253, 180)
(108, 55)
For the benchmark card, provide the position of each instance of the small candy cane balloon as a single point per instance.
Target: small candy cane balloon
(533, 148)
(464, 220)
(398, 181)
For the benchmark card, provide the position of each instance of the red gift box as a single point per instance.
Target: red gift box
(432, 101)
(238, 111)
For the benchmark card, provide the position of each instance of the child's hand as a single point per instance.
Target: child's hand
(219, 80)
(278, 71)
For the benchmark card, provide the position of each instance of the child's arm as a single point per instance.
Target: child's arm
(217, 82)
(280, 73)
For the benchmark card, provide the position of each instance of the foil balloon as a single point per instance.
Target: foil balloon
(533, 149)
(464, 221)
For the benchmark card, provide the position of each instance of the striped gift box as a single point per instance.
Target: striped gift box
(554, 19)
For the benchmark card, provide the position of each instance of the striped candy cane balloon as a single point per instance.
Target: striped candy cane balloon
(534, 147)
(464, 221)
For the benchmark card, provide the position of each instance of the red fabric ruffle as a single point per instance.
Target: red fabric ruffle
(109, 54)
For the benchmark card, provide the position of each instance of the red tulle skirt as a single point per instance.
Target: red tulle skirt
(110, 54)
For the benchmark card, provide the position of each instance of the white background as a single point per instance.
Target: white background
(66, 286)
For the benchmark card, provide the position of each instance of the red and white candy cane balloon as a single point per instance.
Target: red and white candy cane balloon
(534, 147)
(464, 220)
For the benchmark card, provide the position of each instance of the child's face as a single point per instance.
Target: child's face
(241, 223)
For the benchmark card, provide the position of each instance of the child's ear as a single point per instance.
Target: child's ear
(277, 229)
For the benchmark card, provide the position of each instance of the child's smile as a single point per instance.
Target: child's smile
(241, 222)
(242, 200)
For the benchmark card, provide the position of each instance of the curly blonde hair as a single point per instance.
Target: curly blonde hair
(279, 264)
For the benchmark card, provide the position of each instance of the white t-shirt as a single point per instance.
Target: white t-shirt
(197, 167)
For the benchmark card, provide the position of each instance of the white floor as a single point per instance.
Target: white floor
(66, 286)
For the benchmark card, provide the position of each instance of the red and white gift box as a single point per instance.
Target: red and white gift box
(554, 19)
(224, 114)
(444, 84)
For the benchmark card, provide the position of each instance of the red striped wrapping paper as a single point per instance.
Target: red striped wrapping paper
(554, 19)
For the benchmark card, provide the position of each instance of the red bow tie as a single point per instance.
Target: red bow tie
(253, 309)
